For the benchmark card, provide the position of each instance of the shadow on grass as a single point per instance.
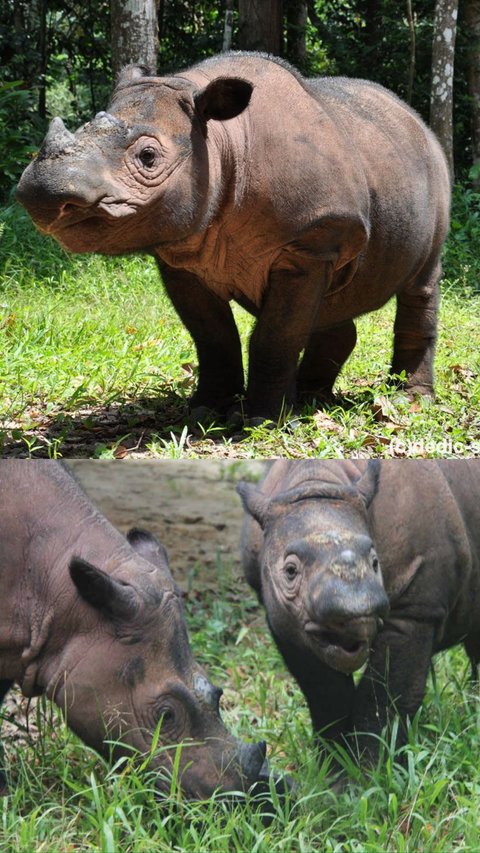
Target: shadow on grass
(151, 424)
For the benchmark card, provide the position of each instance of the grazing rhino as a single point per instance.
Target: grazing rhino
(309, 202)
(95, 622)
(374, 563)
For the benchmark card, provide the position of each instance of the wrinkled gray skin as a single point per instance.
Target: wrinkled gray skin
(374, 563)
(95, 622)
(309, 202)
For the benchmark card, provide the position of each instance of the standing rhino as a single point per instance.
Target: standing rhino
(309, 202)
(94, 621)
(374, 563)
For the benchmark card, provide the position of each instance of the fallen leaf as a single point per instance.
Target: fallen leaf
(323, 421)
(120, 452)
(383, 410)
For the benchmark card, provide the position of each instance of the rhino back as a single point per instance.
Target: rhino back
(334, 146)
(428, 512)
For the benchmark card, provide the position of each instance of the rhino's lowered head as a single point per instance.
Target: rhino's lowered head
(321, 581)
(136, 176)
(126, 669)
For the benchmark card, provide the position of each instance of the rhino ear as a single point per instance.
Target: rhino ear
(254, 502)
(114, 599)
(223, 98)
(148, 547)
(367, 484)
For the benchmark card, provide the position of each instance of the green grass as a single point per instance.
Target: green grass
(94, 362)
(64, 798)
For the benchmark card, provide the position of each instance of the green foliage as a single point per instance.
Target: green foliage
(15, 133)
(462, 252)
(189, 32)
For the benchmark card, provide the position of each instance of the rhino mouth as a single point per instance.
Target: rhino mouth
(344, 647)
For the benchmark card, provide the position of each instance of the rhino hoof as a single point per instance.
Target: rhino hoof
(260, 422)
(203, 415)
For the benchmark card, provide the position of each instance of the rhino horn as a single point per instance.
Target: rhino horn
(114, 599)
(254, 502)
(58, 137)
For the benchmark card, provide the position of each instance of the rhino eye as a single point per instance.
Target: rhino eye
(291, 569)
(148, 157)
(375, 564)
(167, 718)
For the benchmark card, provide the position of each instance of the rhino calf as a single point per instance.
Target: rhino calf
(309, 202)
(374, 563)
(95, 622)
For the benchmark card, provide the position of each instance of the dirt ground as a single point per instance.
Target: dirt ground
(190, 505)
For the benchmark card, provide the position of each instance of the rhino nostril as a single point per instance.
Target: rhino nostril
(252, 757)
(71, 207)
(262, 747)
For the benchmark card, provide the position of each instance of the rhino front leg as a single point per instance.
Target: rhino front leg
(393, 683)
(415, 331)
(285, 321)
(325, 354)
(211, 324)
(329, 694)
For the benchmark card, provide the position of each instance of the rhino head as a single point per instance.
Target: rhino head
(321, 580)
(137, 175)
(127, 671)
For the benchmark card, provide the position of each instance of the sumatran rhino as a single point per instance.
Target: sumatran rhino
(309, 202)
(365, 563)
(94, 621)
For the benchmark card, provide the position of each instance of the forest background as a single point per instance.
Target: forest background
(60, 57)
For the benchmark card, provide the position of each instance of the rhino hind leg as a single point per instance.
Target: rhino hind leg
(324, 356)
(415, 332)
(472, 648)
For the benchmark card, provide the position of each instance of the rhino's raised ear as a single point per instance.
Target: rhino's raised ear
(114, 599)
(148, 547)
(367, 484)
(223, 98)
(254, 502)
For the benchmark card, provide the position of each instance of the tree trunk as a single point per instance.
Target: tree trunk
(260, 25)
(443, 54)
(134, 33)
(411, 67)
(228, 26)
(471, 18)
(43, 50)
(296, 12)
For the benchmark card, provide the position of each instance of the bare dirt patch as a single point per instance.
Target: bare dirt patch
(190, 505)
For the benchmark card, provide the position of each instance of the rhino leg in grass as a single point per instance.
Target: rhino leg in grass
(309, 202)
(94, 621)
(365, 563)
